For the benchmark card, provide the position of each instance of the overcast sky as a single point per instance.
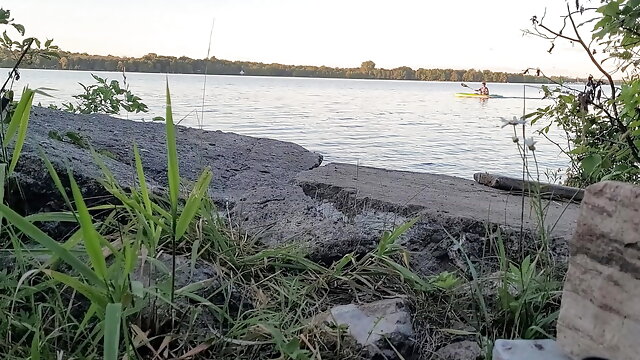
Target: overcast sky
(457, 34)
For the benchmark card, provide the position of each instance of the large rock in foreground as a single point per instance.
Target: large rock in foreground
(600, 313)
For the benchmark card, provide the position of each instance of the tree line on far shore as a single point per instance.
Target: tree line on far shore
(154, 63)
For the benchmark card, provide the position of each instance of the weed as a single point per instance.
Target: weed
(105, 97)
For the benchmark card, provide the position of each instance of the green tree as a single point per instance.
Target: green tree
(12, 48)
(367, 66)
(603, 120)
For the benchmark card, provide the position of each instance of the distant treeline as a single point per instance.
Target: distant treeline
(154, 63)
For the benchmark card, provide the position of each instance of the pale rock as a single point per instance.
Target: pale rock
(527, 350)
(600, 311)
(375, 325)
(463, 350)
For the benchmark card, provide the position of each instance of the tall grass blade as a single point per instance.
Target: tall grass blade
(88, 291)
(389, 239)
(52, 216)
(92, 240)
(22, 131)
(112, 323)
(142, 179)
(3, 172)
(56, 179)
(35, 345)
(193, 203)
(173, 173)
(43, 239)
(173, 177)
(16, 119)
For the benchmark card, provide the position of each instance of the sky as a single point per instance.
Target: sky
(459, 34)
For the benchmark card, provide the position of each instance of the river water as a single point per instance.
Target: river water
(403, 125)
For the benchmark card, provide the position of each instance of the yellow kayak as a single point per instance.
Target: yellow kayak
(474, 95)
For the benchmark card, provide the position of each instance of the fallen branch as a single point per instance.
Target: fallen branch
(513, 184)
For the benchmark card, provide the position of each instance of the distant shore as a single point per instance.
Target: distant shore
(153, 63)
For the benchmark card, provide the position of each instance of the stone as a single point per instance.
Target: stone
(462, 350)
(374, 325)
(600, 310)
(527, 350)
(353, 188)
(238, 162)
(365, 201)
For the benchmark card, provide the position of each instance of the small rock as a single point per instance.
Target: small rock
(463, 350)
(376, 325)
(527, 350)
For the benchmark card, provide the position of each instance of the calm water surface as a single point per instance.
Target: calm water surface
(404, 125)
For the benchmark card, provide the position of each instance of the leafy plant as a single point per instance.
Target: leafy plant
(13, 48)
(602, 123)
(106, 97)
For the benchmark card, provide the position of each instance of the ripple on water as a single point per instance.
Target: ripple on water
(417, 126)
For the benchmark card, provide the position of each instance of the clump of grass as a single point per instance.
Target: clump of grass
(512, 287)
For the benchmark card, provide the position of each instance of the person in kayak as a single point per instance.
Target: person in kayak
(484, 90)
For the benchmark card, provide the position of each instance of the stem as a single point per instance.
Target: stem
(524, 169)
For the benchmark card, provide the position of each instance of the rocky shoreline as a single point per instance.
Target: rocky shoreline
(278, 192)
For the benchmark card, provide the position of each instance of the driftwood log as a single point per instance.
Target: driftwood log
(513, 184)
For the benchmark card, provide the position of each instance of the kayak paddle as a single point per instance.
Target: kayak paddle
(467, 86)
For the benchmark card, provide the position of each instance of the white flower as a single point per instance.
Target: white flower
(530, 143)
(515, 139)
(515, 121)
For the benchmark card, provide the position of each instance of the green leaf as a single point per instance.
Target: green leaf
(408, 275)
(52, 217)
(93, 310)
(43, 239)
(92, 240)
(19, 123)
(112, 323)
(193, 202)
(590, 163)
(173, 172)
(142, 179)
(20, 28)
(35, 345)
(90, 292)
(389, 239)
(56, 179)
(579, 150)
(3, 169)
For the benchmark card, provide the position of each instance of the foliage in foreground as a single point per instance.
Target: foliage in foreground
(12, 47)
(601, 123)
